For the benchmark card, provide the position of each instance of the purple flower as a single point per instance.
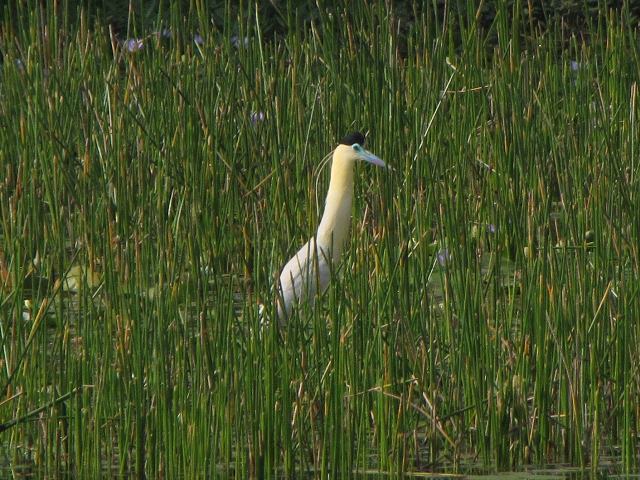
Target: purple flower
(198, 40)
(256, 117)
(491, 228)
(134, 44)
(575, 66)
(443, 256)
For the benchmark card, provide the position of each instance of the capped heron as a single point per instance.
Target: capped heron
(307, 274)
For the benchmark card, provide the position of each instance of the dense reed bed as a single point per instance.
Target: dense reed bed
(486, 313)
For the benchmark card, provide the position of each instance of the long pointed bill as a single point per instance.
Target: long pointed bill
(369, 157)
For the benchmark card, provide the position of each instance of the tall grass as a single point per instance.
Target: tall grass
(149, 198)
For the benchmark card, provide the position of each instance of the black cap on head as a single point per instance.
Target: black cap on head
(355, 137)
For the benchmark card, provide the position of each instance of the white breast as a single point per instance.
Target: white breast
(303, 277)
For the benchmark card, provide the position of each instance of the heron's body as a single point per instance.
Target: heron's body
(309, 271)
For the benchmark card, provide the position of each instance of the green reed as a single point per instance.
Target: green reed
(175, 181)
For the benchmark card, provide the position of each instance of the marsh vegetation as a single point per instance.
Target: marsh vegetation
(487, 309)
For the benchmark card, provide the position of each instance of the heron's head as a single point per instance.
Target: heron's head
(351, 148)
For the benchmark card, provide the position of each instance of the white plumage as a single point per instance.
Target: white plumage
(309, 271)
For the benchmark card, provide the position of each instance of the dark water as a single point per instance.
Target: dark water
(610, 471)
